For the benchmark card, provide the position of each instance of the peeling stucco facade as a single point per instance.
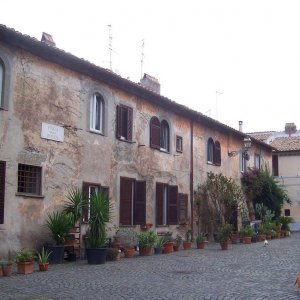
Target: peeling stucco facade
(43, 91)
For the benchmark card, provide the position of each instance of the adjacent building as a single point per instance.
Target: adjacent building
(65, 122)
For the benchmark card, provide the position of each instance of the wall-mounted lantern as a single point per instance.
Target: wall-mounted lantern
(247, 145)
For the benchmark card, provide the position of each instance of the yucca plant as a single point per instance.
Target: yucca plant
(100, 213)
(74, 205)
(59, 224)
(44, 255)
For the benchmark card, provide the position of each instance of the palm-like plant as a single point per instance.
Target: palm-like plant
(59, 224)
(74, 205)
(100, 213)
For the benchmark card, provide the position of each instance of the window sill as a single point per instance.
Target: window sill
(127, 226)
(30, 195)
(162, 226)
(96, 132)
(126, 141)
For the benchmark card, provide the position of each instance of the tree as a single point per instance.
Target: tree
(261, 187)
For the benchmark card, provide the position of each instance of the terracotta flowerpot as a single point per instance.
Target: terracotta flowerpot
(176, 247)
(145, 251)
(261, 237)
(247, 240)
(200, 245)
(168, 247)
(43, 267)
(129, 252)
(25, 267)
(115, 245)
(268, 236)
(118, 256)
(224, 245)
(187, 245)
(7, 270)
(234, 238)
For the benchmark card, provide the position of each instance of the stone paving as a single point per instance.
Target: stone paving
(243, 272)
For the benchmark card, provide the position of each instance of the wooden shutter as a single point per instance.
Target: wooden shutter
(129, 123)
(182, 208)
(172, 218)
(126, 201)
(217, 154)
(159, 203)
(139, 212)
(275, 165)
(154, 133)
(118, 122)
(2, 190)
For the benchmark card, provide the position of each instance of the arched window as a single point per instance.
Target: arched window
(217, 153)
(1, 84)
(164, 136)
(210, 151)
(97, 114)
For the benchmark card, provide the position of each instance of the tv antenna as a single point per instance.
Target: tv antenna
(142, 57)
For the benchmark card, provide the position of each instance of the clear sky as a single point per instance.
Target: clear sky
(248, 51)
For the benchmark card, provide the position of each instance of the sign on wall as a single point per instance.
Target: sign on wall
(52, 132)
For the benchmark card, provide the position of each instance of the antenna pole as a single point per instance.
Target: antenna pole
(110, 46)
(142, 57)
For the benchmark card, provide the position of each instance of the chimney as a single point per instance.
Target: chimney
(241, 126)
(290, 128)
(47, 39)
(150, 83)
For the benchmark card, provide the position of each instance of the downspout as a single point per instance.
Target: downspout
(192, 178)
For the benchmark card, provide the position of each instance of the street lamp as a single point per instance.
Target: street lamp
(247, 145)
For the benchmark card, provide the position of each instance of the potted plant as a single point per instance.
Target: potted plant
(127, 239)
(247, 232)
(187, 243)
(168, 246)
(159, 245)
(285, 224)
(200, 240)
(177, 242)
(24, 260)
(223, 235)
(262, 232)
(59, 224)
(146, 242)
(100, 211)
(43, 257)
(6, 266)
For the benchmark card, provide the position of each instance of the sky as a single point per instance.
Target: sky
(231, 60)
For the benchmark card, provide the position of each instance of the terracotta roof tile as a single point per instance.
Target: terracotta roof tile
(287, 143)
(261, 136)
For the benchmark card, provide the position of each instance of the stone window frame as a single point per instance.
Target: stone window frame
(160, 133)
(29, 180)
(100, 116)
(6, 84)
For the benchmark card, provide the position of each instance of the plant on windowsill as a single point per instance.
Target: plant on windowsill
(146, 241)
(59, 225)
(100, 212)
(24, 260)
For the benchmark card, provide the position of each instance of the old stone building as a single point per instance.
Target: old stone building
(65, 122)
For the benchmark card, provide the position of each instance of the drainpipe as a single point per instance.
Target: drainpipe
(192, 178)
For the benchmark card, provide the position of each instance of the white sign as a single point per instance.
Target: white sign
(52, 132)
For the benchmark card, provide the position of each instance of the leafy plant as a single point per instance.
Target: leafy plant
(160, 242)
(25, 255)
(200, 238)
(246, 231)
(74, 205)
(178, 239)
(188, 236)
(224, 232)
(5, 262)
(127, 237)
(59, 225)
(285, 222)
(261, 187)
(147, 239)
(43, 256)
(100, 213)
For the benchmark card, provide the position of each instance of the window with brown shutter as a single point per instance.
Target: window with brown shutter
(275, 168)
(182, 208)
(172, 205)
(210, 151)
(155, 133)
(88, 189)
(139, 212)
(2, 190)
(132, 201)
(217, 154)
(160, 203)
(124, 123)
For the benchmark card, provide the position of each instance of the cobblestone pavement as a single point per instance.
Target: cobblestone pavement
(243, 272)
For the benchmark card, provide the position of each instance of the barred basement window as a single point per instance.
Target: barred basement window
(29, 179)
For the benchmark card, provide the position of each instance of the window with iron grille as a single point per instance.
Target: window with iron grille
(178, 143)
(29, 179)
